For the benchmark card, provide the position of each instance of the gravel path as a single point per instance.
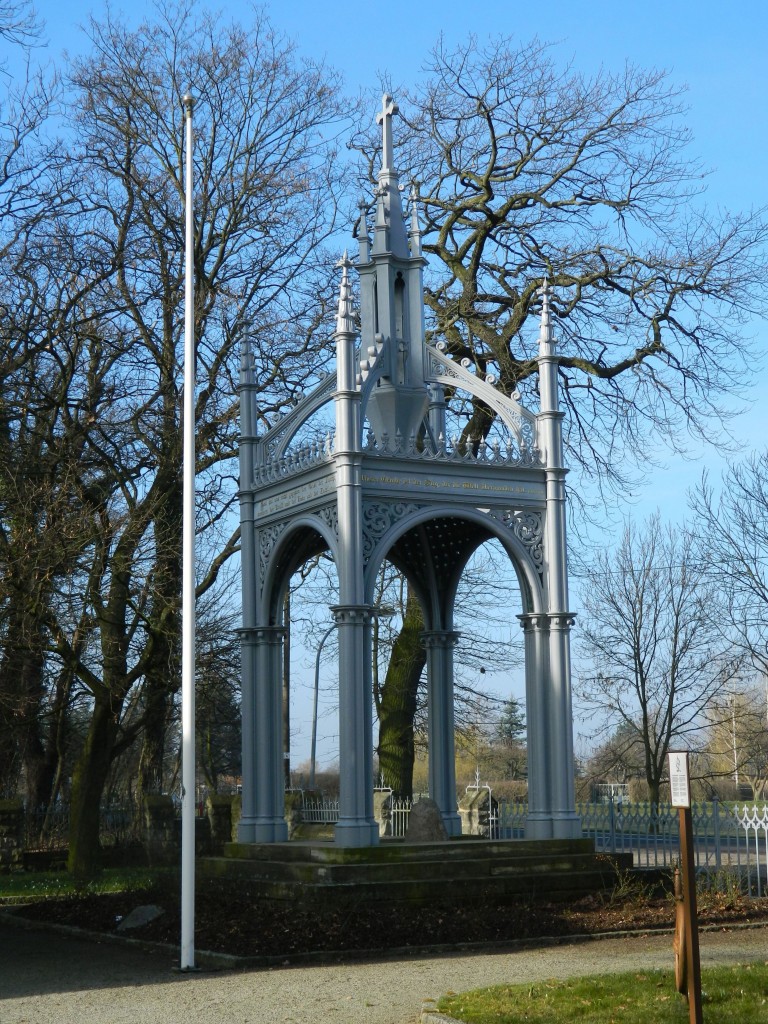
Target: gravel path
(49, 978)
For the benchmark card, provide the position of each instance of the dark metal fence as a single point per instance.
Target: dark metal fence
(47, 829)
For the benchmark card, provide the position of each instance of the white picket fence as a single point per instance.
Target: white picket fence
(322, 811)
(399, 811)
(725, 836)
(319, 811)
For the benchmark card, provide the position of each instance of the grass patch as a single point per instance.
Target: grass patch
(731, 995)
(58, 884)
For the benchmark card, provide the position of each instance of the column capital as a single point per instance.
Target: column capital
(439, 638)
(345, 614)
(262, 634)
(562, 620)
(532, 621)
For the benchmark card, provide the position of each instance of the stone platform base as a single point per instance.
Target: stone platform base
(466, 868)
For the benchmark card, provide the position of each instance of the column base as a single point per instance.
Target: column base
(566, 826)
(452, 824)
(538, 826)
(260, 831)
(351, 833)
(553, 826)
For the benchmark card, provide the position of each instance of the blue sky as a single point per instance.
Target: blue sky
(720, 60)
(718, 53)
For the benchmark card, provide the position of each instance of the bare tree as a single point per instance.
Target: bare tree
(48, 484)
(737, 740)
(658, 660)
(529, 171)
(619, 758)
(732, 530)
(217, 706)
(266, 182)
(41, 431)
(19, 23)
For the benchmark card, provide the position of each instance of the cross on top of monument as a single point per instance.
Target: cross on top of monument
(384, 118)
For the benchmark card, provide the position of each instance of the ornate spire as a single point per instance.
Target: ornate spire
(414, 234)
(392, 304)
(247, 391)
(361, 231)
(546, 333)
(548, 393)
(389, 229)
(345, 323)
(384, 118)
(246, 361)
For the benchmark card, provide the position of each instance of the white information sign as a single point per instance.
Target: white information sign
(679, 779)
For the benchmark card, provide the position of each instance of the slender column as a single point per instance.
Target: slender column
(539, 821)
(263, 819)
(248, 726)
(357, 825)
(437, 412)
(566, 823)
(249, 445)
(439, 646)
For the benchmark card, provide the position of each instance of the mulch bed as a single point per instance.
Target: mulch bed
(228, 919)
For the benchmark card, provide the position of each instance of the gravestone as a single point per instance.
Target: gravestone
(476, 808)
(425, 823)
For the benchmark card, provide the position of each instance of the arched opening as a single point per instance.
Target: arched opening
(312, 704)
(444, 556)
(488, 681)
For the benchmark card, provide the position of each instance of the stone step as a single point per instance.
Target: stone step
(475, 868)
(462, 848)
(557, 869)
(550, 886)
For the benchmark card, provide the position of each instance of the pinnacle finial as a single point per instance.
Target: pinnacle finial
(388, 109)
(345, 323)
(246, 358)
(360, 229)
(546, 334)
(414, 233)
(360, 232)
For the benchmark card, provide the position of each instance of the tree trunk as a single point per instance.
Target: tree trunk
(152, 755)
(88, 780)
(654, 787)
(162, 676)
(21, 696)
(396, 703)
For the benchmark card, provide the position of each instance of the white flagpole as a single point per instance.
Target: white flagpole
(188, 579)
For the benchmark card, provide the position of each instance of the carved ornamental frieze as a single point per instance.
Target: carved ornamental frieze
(379, 517)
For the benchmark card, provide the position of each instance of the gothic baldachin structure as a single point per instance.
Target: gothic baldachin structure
(388, 482)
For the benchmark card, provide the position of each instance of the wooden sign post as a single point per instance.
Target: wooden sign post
(680, 792)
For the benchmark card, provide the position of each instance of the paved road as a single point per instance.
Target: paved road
(48, 978)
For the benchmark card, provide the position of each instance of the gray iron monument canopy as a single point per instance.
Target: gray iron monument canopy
(388, 483)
